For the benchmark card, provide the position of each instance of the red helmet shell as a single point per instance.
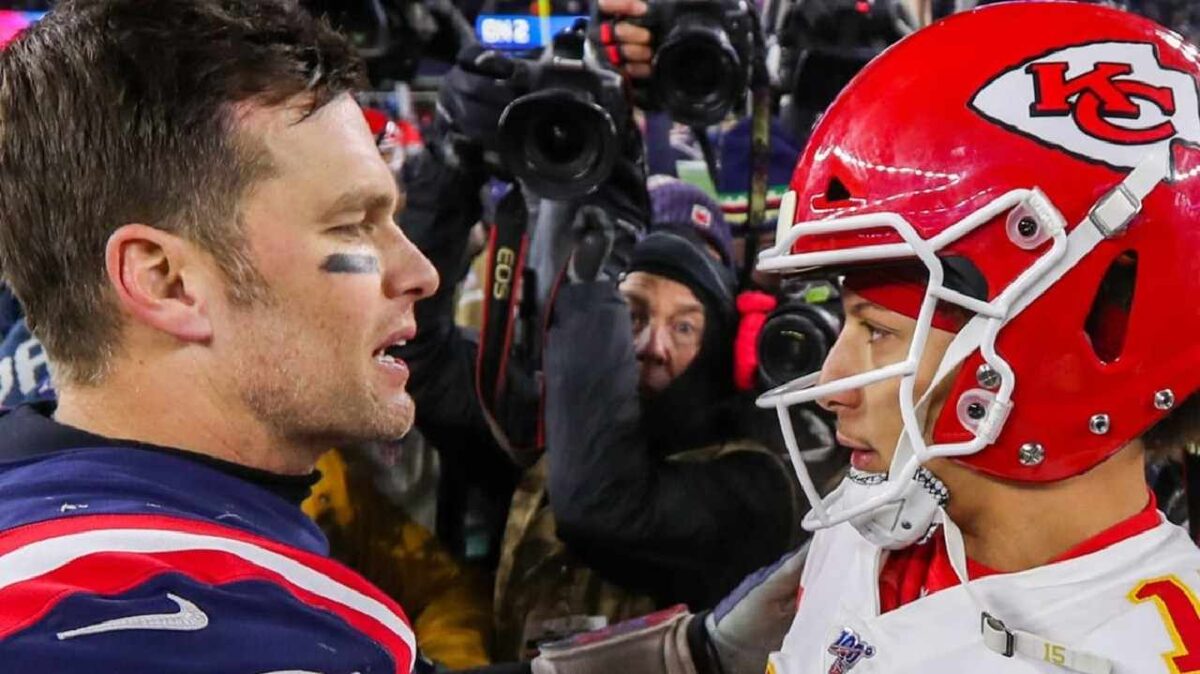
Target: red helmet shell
(1068, 98)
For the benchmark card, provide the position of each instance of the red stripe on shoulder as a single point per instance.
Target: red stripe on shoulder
(107, 572)
(21, 536)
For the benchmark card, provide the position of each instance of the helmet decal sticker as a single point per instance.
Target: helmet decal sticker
(1108, 102)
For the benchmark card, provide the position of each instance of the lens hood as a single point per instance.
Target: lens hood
(558, 142)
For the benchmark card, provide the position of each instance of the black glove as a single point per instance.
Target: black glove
(603, 246)
(471, 99)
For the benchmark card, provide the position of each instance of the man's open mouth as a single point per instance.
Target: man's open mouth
(390, 354)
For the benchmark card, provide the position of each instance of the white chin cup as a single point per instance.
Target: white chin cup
(911, 518)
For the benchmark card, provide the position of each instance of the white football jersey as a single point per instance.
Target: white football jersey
(1134, 603)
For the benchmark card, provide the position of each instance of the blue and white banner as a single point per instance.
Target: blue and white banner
(520, 31)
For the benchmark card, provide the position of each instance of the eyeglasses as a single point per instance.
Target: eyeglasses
(683, 332)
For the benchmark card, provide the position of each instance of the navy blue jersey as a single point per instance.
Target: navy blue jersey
(119, 559)
(24, 369)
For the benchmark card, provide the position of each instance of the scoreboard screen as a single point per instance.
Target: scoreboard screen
(520, 32)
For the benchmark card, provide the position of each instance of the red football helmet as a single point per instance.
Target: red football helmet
(389, 137)
(1046, 146)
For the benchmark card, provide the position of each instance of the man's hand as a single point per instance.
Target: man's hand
(594, 232)
(626, 44)
(472, 97)
(736, 638)
(751, 622)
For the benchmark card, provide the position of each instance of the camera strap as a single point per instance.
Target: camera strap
(504, 409)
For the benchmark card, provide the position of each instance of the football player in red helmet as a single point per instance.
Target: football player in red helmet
(1010, 198)
(1011, 201)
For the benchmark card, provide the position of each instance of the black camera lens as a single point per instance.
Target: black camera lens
(698, 73)
(559, 141)
(795, 340)
(706, 66)
(559, 144)
(363, 22)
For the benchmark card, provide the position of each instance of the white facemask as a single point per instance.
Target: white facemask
(903, 506)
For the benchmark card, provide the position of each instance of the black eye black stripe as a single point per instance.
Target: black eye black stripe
(345, 263)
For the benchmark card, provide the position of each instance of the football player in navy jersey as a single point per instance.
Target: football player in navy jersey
(201, 232)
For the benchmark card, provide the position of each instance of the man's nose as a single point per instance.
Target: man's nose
(839, 365)
(409, 273)
(653, 344)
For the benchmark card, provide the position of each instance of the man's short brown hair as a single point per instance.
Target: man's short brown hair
(122, 111)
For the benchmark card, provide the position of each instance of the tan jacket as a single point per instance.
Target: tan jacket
(448, 604)
(542, 590)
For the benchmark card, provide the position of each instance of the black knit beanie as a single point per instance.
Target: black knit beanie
(691, 412)
(680, 256)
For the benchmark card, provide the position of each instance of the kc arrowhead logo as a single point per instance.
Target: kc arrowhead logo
(1109, 102)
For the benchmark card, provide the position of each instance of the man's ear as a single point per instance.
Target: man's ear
(159, 280)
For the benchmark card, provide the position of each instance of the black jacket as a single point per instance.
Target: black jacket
(683, 531)
(442, 206)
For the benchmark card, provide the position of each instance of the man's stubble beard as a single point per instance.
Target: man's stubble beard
(306, 400)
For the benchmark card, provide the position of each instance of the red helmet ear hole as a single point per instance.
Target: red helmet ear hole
(1108, 320)
(836, 196)
(837, 191)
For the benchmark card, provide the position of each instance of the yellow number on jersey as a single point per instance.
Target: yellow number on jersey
(1181, 613)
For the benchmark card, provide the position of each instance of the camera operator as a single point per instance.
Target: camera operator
(642, 491)
(651, 480)
(647, 494)
(444, 204)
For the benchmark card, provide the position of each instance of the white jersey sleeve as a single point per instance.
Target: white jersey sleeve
(1134, 603)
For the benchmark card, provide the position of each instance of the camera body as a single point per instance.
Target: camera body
(703, 55)
(824, 43)
(797, 336)
(563, 133)
(392, 36)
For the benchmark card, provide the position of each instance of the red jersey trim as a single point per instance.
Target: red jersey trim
(43, 564)
(919, 570)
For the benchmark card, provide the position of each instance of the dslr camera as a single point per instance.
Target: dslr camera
(824, 43)
(392, 36)
(703, 56)
(563, 133)
(796, 338)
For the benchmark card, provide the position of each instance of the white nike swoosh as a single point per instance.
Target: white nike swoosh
(189, 619)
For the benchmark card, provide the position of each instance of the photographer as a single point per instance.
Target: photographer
(642, 489)
(650, 478)
(654, 497)
(444, 204)
(442, 207)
